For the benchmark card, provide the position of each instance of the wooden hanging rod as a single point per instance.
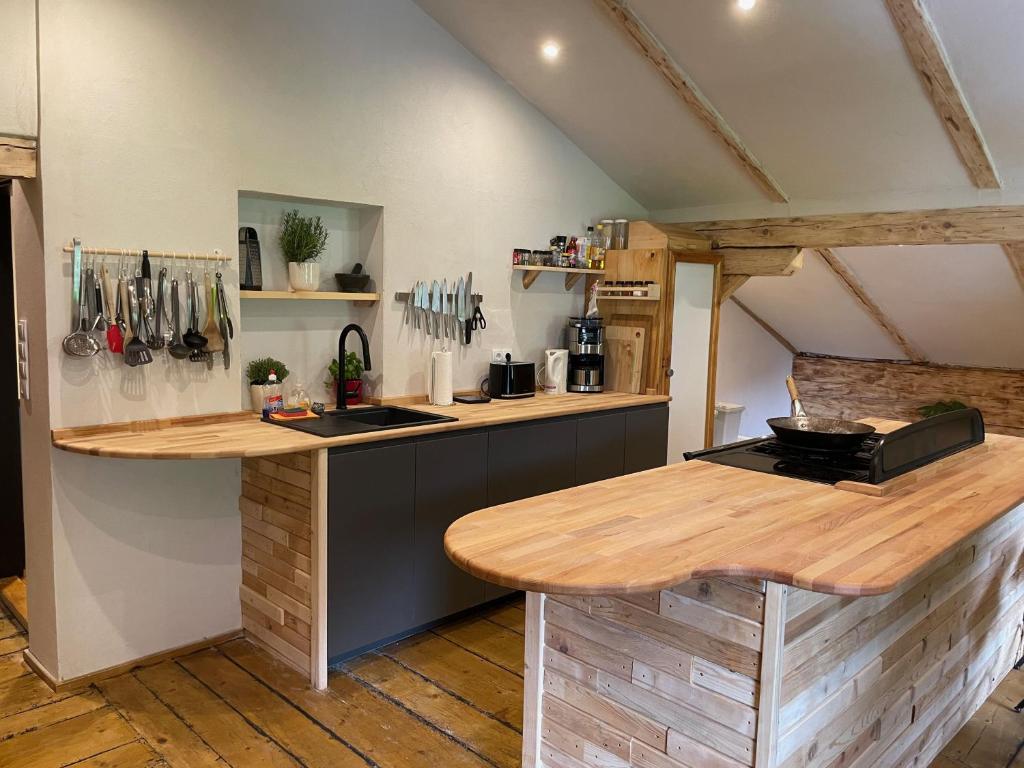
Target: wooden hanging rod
(217, 255)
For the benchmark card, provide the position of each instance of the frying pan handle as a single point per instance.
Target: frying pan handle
(794, 393)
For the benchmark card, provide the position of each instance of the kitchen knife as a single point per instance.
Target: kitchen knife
(454, 334)
(410, 310)
(421, 304)
(435, 308)
(468, 321)
(444, 307)
(460, 309)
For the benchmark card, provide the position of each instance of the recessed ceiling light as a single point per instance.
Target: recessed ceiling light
(550, 50)
(746, 5)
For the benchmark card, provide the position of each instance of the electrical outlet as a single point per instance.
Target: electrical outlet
(498, 354)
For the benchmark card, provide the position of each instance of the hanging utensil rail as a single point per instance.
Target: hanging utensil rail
(216, 255)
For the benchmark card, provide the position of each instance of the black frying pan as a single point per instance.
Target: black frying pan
(819, 434)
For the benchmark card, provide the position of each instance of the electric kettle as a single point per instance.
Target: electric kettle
(556, 371)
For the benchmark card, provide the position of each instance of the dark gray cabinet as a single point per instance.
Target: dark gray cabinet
(646, 438)
(389, 505)
(371, 545)
(600, 447)
(530, 459)
(451, 481)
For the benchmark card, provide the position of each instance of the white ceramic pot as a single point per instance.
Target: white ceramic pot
(304, 275)
(259, 392)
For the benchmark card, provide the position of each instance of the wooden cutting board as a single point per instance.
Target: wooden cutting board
(624, 358)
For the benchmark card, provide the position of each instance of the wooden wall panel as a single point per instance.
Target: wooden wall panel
(659, 680)
(888, 680)
(277, 549)
(855, 389)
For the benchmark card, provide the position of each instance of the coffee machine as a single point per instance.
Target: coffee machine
(585, 340)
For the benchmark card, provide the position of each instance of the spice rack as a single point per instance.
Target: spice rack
(632, 292)
(572, 274)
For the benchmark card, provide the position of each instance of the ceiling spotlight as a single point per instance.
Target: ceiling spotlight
(746, 5)
(550, 50)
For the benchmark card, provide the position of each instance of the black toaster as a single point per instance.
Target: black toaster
(510, 380)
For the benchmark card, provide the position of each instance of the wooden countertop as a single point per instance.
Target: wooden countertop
(654, 529)
(234, 435)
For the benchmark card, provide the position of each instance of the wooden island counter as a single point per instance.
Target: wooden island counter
(705, 616)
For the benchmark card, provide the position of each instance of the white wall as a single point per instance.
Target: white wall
(152, 128)
(18, 67)
(752, 369)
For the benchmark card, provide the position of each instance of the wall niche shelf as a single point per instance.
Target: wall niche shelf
(309, 295)
(572, 274)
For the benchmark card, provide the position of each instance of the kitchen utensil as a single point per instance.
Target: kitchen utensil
(214, 340)
(115, 339)
(820, 434)
(76, 285)
(157, 340)
(479, 321)
(425, 306)
(178, 349)
(142, 328)
(102, 322)
(192, 338)
(796, 407)
(468, 321)
(452, 321)
(435, 307)
(460, 310)
(80, 343)
(135, 350)
(444, 307)
(227, 330)
(410, 309)
(556, 371)
(352, 282)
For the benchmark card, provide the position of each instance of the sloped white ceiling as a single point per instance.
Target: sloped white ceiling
(815, 313)
(602, 95)
(821, 91)
(983, 40)
(958, 304)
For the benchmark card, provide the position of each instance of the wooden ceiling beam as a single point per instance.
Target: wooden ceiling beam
(627, 21)
(767, 328)
(1015, 254)
(761, 262)
(729, 284)
(929, 58)
(984, 224)
(856, 289)
(17, 158)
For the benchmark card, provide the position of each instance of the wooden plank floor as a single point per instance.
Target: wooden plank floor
(451, 697)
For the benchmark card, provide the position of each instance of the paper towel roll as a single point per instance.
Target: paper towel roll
(441, 378)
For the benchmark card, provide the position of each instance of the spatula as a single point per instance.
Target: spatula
(214, 340)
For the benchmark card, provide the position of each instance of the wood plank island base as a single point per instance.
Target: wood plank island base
(916, 618)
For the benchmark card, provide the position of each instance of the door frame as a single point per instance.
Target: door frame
(688, 257)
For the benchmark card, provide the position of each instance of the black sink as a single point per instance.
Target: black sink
(357, 420)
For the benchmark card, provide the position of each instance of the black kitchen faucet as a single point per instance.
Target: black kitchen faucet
(342, 400)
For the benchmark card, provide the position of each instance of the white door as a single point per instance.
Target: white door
(691, 349)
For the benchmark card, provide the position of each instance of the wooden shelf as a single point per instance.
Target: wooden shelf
(572, 274)
(309, 295)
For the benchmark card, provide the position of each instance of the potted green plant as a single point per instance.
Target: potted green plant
(302, 240)
(353, 378)
(265, 376)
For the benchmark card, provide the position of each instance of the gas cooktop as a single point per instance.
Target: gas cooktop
(880, 458)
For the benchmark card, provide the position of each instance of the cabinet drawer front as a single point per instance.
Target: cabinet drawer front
(451, 481)
(646, 439)
(530, 460)
(600, 447)
(370, 546)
